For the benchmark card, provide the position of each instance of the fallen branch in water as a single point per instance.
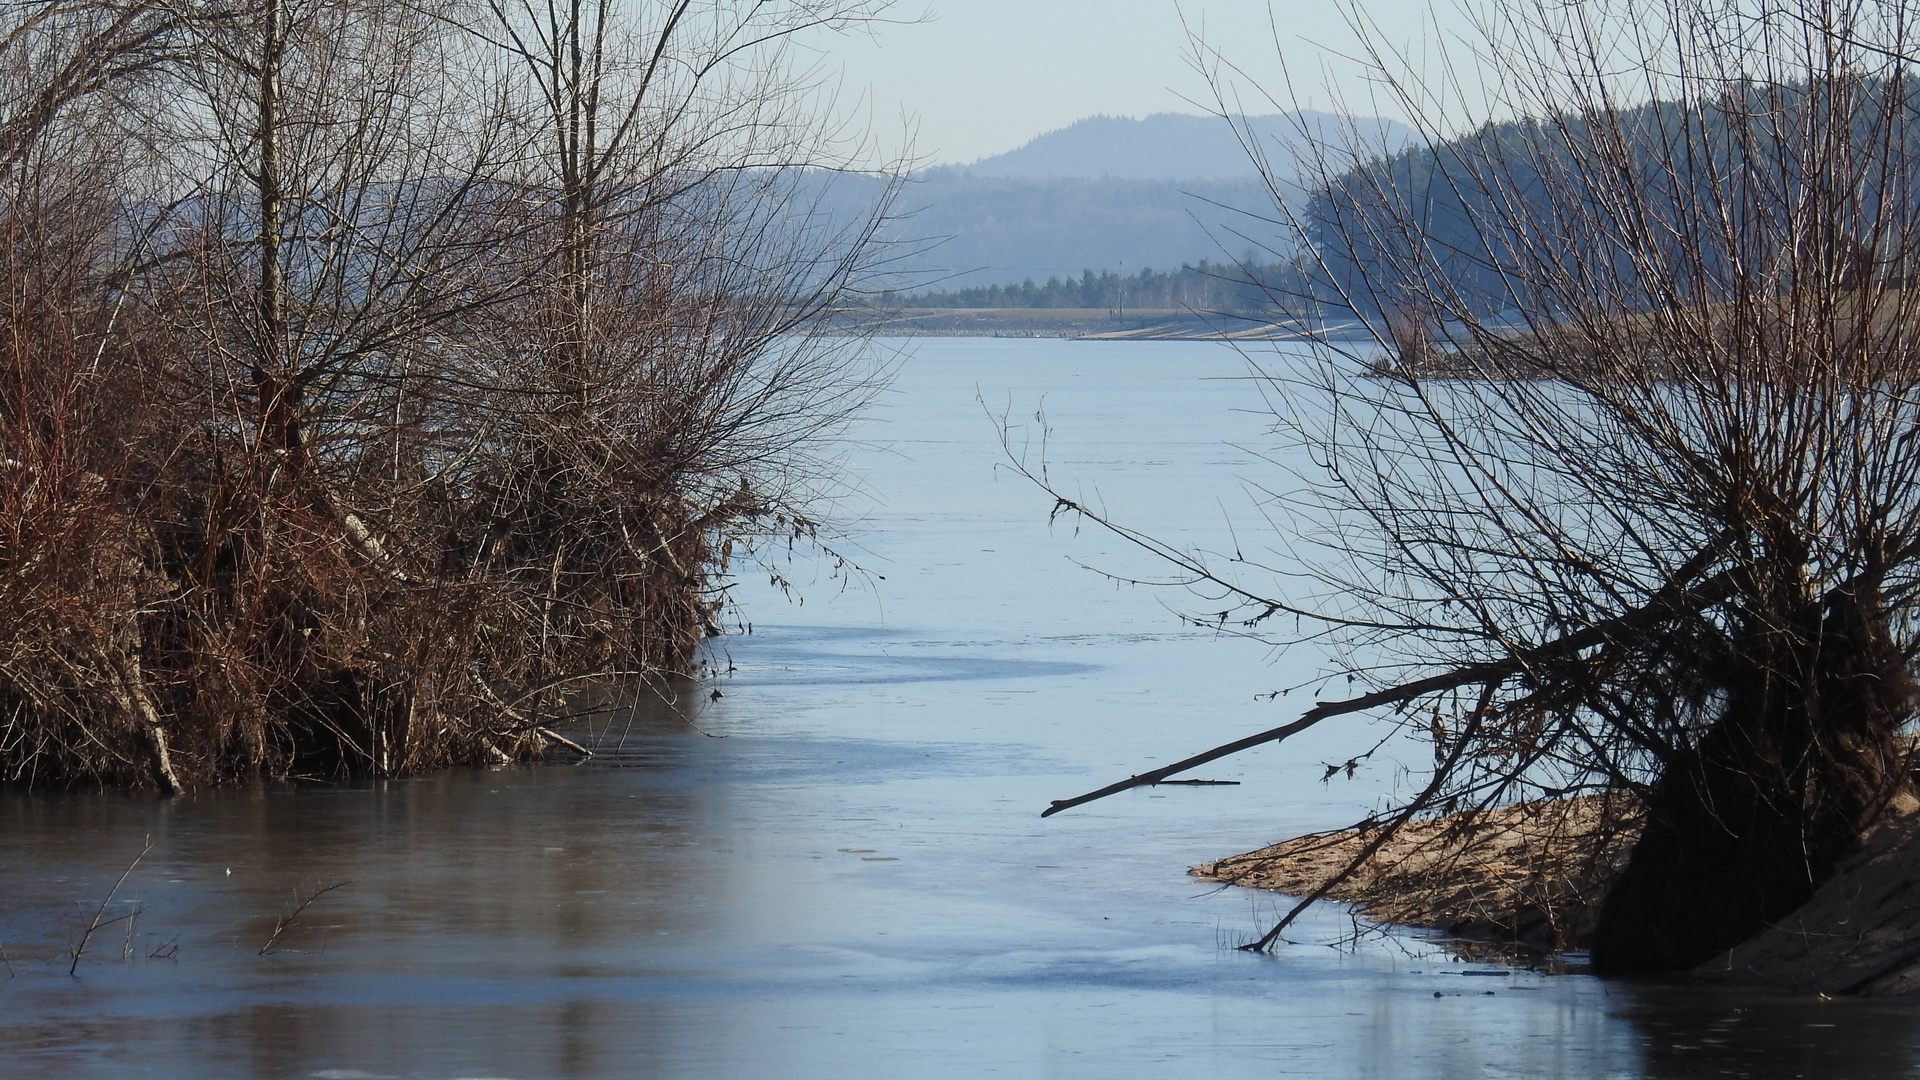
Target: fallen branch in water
(87, 934)
(1199, 783)
(285, 922)
(564, 741)
(1321, 711)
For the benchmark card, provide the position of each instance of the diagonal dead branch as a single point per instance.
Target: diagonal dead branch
(285, 922)
(99, 916)
(1667, 604)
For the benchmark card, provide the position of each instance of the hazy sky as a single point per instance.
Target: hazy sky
(984, 76)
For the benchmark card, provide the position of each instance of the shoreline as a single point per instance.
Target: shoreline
(1531, 878)
(1085, 324)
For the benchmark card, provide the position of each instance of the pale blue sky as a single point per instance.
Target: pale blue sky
(985, 76)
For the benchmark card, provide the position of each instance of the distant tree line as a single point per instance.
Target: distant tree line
(1206, 286)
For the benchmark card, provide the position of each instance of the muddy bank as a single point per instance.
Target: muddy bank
(1534, 875)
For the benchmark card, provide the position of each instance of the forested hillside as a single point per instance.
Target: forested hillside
(967, 231)
(1479, 200)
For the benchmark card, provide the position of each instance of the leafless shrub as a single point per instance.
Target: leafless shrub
(375, 376)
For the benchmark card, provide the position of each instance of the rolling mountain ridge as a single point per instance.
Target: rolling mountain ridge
(1108, 193)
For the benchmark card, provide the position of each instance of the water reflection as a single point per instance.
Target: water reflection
(1685, 1032)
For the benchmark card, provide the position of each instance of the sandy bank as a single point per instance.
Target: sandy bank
(1860, 934)
(1530, 875)
(1533, 875)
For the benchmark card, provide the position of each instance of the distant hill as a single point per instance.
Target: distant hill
(989, 231)
(1174, 146)
(1105, 194)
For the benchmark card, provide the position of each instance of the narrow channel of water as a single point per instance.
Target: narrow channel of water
(852, 879)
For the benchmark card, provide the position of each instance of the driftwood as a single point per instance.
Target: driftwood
(549, 733)
(1199, 783)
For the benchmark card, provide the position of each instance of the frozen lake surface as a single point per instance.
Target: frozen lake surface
(854, 882)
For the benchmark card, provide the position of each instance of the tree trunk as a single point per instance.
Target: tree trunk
(275, 384)
(1802, 762)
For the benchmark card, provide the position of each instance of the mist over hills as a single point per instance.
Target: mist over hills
(1106, 193)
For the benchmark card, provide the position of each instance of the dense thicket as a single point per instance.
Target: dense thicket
(373, 379)
(1622, 489)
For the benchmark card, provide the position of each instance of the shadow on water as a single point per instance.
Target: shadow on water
(1686, 1032)
(626, 917)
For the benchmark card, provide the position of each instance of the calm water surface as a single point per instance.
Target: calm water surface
(854, 881)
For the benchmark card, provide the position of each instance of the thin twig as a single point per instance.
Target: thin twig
(96, 924)
(1424, 799)
(285, 922)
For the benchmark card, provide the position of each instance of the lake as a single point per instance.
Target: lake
(837, 869)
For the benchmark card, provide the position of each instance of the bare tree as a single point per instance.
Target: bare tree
(671, 380)
(332, 171)
(1631, 503)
